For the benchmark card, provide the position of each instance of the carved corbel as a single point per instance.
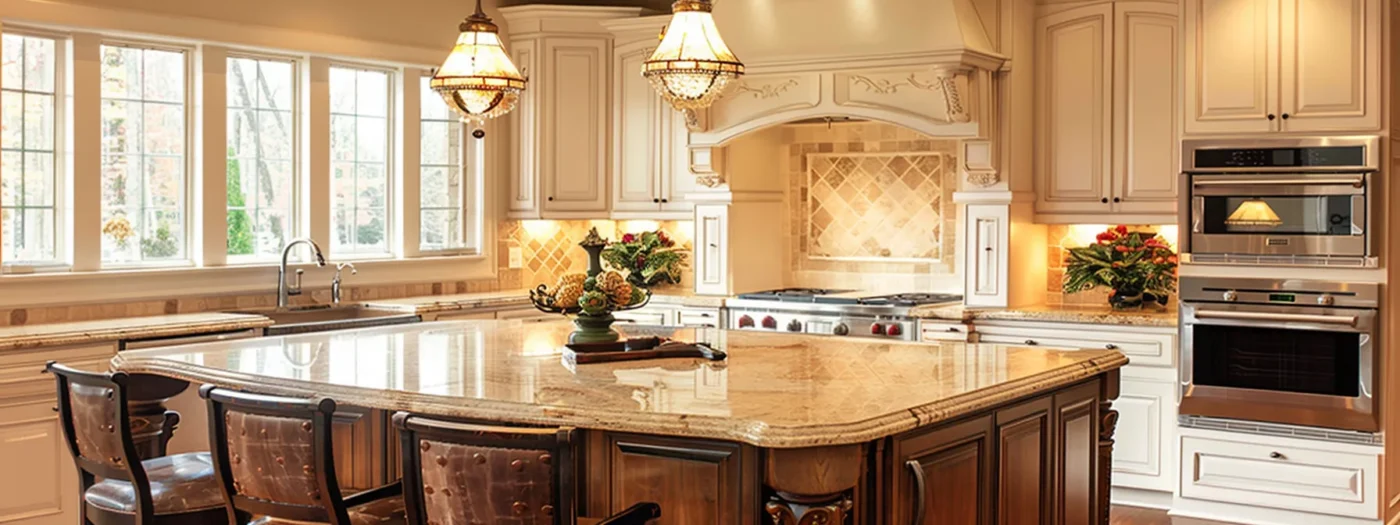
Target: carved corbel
(783, 509)
(978, 164)
(707, 162)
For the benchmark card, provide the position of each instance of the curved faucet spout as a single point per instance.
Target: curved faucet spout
(284, 290)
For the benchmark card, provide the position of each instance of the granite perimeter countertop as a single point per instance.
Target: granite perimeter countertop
(521, 298)
(1052, 314)
(775, 390)
(80, 332)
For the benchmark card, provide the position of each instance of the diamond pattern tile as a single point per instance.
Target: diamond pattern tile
(875, 205)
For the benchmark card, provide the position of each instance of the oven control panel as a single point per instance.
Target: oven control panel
(897, 329)
(1323, 156)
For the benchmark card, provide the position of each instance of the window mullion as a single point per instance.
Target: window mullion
(86, 89)
(211, 181)
(316, 132)
(408, 151)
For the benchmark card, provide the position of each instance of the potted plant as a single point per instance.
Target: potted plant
(649, 258)
(1138, 266)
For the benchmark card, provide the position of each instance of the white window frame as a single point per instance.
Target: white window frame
(298, 226)
(62, 162)
(189, 104)
(472, 169)
(393, 128)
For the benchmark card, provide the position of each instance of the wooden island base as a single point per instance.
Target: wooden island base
(1031, 462)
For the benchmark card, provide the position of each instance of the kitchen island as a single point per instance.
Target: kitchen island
(789, 429)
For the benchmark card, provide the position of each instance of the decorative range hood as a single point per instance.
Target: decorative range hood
(927, 65)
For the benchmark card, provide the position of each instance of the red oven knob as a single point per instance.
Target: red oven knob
(894, 330)
(877, 329)
(745, 322)
(770, 323)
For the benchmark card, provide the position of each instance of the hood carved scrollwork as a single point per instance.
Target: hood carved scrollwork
(946, 85)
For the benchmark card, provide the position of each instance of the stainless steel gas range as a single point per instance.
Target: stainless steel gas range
(832, 312)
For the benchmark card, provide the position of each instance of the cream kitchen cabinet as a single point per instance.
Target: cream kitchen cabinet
(1257, 66)
(671, 315)
(559, 148)
(31, 437)
(651, 169)
(1106, 137)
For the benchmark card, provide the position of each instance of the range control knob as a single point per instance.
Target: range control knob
(770, 323)
(745, 322)
(877, 329)
(1230, 296)
(894, 330)
(1326, 300)
(794, 326)
(841, 329)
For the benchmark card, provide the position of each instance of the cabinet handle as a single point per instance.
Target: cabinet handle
(1285, 116)
(551, 199)
(1271, 116)
(954, 330)
(1117, 200)
(1111, 346)
(1104, 200)
(656, 201)
(917, 469)
(1276, 455)
(1031, 342)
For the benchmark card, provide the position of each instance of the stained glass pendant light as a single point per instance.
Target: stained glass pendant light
(478, 79)
(692, 66)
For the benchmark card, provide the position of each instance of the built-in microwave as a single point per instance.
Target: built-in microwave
(1284, 201)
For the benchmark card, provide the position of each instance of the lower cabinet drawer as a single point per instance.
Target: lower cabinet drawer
(1143, 348)
(943, 331)
(1286, 477)
(643, 317)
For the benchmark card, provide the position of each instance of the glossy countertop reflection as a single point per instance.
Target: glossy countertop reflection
(775, 390)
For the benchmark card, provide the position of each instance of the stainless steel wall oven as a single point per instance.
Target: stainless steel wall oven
(1280, 201)
(1282, 351)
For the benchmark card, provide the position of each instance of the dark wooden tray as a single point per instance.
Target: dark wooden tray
(640, 348)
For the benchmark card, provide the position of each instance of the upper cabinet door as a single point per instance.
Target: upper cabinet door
(636, 153)
(1330, 65)
(1146, 73)
(524, 149)
(574, 126)
(1231, 78)
(1074, 109)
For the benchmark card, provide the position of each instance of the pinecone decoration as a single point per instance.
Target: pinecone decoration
(566, 296)
(621, 295)
(573, 278)
(594, 303)
(610, 281)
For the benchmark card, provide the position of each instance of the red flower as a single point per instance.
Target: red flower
(1121, 229)
(627, 237)
(1172, 259)
(665, 241)
(641, 261)
(1121, 248)
(1106, 237)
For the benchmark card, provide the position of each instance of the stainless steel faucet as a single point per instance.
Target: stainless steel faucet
(285, 290)
(335, 282)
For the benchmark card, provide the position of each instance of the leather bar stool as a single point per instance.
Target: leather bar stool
(274, 459)
(179, 489)
(466, 474)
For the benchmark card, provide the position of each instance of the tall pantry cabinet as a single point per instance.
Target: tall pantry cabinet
(1261, 66)
(1106, 111)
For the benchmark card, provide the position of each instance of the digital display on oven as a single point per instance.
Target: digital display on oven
(1336, 156)
(1282, 298)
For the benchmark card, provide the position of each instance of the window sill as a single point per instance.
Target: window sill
(143, 283)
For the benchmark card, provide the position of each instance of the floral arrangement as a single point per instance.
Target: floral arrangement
(607, 292)
(119, 229)
(649, 258)
(1137, 266)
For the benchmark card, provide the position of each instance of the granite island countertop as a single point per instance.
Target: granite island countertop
(81, 332)
(775, 390)
(1051, 314)
(521, 298)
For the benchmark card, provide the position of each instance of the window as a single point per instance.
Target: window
(359, 161)
(143, 155)
(30, 185)
(448, 184)
(262, 177)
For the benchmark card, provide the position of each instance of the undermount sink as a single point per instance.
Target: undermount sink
(325, 318)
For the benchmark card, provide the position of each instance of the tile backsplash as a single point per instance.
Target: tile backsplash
(550, 249)
(1063, 237)
(870, 207)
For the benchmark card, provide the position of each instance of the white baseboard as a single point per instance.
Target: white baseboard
(1131, 497)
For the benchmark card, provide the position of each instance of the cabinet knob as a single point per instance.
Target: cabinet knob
(1276, 455)
(551, 199)
(1031, 342)
(1271, 116)
(656, 201)
(1117, 200)
(1285, 116)
(1111, 346)
(1104, 200)
(664, 201)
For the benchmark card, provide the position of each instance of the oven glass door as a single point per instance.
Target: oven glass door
(1263, 214)
(1277, 359)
